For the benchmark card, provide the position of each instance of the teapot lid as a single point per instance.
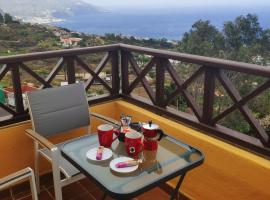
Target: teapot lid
(150, 126)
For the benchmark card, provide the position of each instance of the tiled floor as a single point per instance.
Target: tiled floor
(81, 190)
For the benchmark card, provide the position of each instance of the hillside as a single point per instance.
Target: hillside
(45, 11)
(22, 38)
(18, 37)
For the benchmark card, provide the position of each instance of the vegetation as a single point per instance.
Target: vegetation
(1, 19)
(6, 18)
(242, 40)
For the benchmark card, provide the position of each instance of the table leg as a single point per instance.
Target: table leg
(176, 190)
(104, 196)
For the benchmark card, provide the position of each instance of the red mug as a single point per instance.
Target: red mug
(105, 135)
(133, 143)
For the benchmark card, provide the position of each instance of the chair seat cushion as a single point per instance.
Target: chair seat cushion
(66, 167)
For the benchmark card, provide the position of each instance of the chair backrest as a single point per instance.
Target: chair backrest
(60, 109)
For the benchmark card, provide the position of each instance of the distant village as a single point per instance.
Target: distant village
(66, 38)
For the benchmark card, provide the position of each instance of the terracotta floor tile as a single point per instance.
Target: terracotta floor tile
(46, 180)
(97, 193)
(81, 190)
(89, 185)
(21, 190)
(70, 191)
(44, 195)
(51, 190)
(93, 189)
(29, 197)
(85, 196)
(5, 195)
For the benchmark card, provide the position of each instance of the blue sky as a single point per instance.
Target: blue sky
(110, 4)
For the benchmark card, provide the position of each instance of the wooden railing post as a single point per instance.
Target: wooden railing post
(209, 95)
(70, 63)
(115, 71)
(124, 72)
(160, 79)
(16, 81)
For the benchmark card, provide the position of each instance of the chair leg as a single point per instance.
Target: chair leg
(33, 186)
(36, 146)
(56, 175)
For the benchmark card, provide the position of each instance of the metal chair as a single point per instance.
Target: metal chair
(19, 176)
(53, 111)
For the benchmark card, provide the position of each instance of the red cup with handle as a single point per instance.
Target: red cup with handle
(133, 143)
(105, 135)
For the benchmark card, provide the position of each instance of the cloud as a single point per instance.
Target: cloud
(178, 3)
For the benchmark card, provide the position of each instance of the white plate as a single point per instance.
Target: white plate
(91, 154)
(125, 169)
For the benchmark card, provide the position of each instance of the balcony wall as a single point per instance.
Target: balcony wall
(227, 173)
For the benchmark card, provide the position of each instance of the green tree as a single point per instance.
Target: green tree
(164, 43)
(265, 46)
(250, 29)
(179, 102)
(1, 19)
(7, 18)
(232, 36)
(202, 39)
(110, 36)
(82, 43)
(245, 38)
(77, 35)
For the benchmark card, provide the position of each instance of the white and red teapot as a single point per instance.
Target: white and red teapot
(151, 131)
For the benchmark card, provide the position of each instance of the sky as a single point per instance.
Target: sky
(110, 4)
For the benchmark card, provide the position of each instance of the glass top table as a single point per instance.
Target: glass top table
(173, 158)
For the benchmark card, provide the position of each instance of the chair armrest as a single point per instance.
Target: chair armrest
(40, 139)
(105, 119)
(15, 175)
(9, 180)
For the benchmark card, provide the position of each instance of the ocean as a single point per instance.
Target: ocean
(147, 23)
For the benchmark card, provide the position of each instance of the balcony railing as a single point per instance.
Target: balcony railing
(122, 59)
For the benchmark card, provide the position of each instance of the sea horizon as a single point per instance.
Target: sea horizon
(144, 23)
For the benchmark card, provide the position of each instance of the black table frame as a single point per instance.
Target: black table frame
(181, 173)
